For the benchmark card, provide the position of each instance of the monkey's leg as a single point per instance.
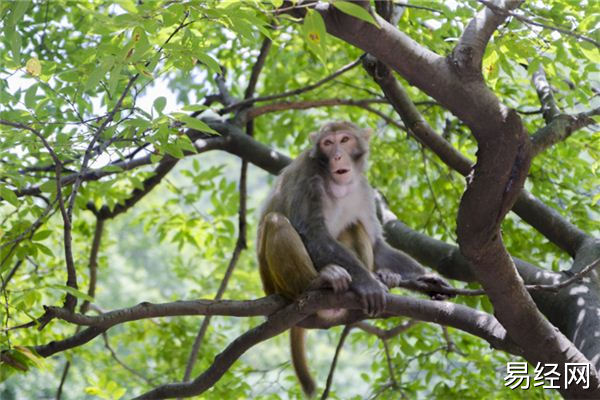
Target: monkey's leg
(286, 268)
(285, 263)
(356, 239)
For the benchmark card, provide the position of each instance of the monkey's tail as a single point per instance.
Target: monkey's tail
(297, 336)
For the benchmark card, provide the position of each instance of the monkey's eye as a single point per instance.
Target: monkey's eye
(327, 142)
(345, 139)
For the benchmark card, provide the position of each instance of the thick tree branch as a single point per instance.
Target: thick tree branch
(504, 154)
(468, 53)
(412, 118)
(461, 317)
(549, 223)
(290, 315)
(543, 218)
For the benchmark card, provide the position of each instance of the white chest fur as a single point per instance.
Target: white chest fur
(348, 204)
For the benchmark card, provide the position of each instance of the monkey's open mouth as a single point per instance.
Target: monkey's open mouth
(341, 171)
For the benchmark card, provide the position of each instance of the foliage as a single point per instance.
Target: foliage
(103, 83)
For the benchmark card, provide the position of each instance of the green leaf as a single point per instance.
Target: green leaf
(195, 123)
(44, 249)
(74, 292)
(159, 104)
(315, 34)
(173, 150)
(49, 186)
(356, 11)
(210, 62)
(9, 196)
(96, 75)
(194, 107)
(115, 75)
(19, 10)
(15, 47)
(30, 96)
(591, 52)
(41, 235)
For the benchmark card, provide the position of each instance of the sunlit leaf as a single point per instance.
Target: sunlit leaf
(355, 10)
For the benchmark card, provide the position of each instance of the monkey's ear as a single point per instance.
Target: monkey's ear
(313, 136)
(366, 133)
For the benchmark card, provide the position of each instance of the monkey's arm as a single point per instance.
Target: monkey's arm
(392, 265)
(386, 257)
(324, 250)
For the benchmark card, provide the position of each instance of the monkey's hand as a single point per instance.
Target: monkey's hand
(371, 293)
(435, 280)
(335, 277)
(389, 278)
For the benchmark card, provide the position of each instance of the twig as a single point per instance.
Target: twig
(393, 381)
(560, 128)
(63, 378)
(93, 263)
(526, 20)
(304, 104)
(257, 68)
(292, 92)
(575, 278)
(239, 247)
(338, 350)
(10, 274)
(163, 168)
(122, 364)
(384, 334)
(26, 233)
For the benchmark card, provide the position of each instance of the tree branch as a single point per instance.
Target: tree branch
(294, 92)
(543, 218)
(468, 53)
(305, 104)
(549, 223)
(290, 315)
(528, 21)
(385, 334)
(412, 118)
(338, 350)
(164, 167)
(461, 317)
(544, 91)
(560, 128)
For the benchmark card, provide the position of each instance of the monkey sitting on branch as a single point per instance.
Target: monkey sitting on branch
(320, 222)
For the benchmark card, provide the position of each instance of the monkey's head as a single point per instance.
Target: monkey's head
(341, 147)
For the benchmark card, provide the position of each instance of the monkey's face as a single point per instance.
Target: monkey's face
(339, 148)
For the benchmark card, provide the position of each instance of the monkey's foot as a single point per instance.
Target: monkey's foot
(336, 277)
(389, 278)
(438, 281)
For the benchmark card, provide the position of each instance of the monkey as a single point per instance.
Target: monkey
(319, 221)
